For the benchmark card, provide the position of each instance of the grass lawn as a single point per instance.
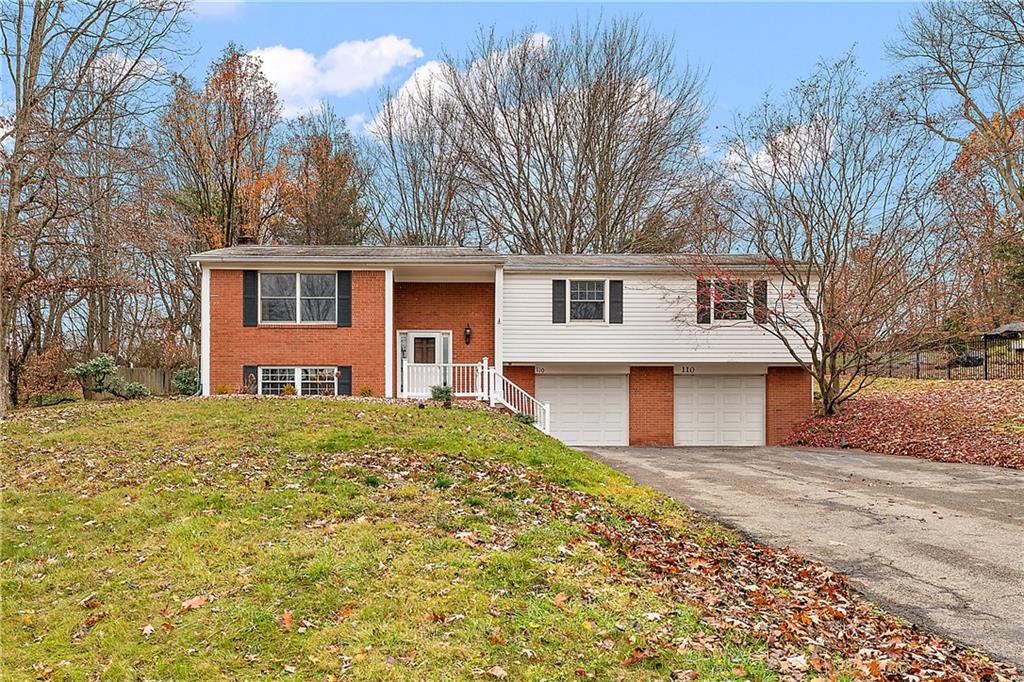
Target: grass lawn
(978, 422)
(334, 539)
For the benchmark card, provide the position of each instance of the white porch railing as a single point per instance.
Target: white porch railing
(466, 380)
(476, 380)
(508, 394)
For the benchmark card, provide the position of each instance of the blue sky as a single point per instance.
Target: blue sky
(345, 52)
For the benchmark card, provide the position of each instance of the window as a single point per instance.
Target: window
(318, 381)
(274, 380)
(730, 301)
(586, 300)
(298, 297)
(297, 381)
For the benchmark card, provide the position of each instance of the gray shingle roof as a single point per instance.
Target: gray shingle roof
(367, 253)
(644, 261)
(470, 254)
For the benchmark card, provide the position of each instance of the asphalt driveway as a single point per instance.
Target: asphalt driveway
(939, 544)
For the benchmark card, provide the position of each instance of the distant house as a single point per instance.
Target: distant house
(589, 346)
(1011, 330)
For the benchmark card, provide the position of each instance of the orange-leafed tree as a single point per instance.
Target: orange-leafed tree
(323, 191)
(222, 152)
(990, 228)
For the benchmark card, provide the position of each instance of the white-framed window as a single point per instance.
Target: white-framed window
(297, 381)
(730, 299)
(587, 300)
(298, 297)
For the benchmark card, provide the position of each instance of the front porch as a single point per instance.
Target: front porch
(475, 381)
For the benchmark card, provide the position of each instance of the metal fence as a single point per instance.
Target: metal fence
(977, 359)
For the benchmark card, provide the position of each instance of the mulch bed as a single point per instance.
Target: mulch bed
(974, 422)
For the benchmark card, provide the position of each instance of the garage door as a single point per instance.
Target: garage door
(719, 410)
(587, 409)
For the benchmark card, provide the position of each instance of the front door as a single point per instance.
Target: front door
(426, 353)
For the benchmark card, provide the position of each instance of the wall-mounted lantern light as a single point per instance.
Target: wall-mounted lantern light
(468, 332)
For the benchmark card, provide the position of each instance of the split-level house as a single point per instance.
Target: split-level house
(597, 349)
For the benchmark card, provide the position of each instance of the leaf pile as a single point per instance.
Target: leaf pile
(974, 422)
(813, 622)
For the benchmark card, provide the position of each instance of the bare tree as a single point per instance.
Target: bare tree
(417, 188)
(837, 192)
(65, 63)
(966, 78)
(576, 142)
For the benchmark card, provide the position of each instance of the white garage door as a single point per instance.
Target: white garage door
(719, 410)
(587, 409)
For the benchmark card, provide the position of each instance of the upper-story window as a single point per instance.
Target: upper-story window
(298, 297)
(586, 300)
(730, 300)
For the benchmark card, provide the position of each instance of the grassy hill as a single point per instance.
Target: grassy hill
(343, 539)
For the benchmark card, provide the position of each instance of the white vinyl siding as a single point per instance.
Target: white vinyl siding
(587, 409)
(658, 325)
(719, 410)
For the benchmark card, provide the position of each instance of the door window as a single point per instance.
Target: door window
(424, 350)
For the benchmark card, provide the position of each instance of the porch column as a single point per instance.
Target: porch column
(389, 333)
(499, 313)
(204, 332)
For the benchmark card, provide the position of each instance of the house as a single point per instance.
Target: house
(598, 349)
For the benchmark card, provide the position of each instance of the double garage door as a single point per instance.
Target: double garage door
(593, 409)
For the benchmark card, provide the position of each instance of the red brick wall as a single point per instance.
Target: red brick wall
(449, 306)
(523, 376)
(233, 346)
(651, 393)
(787, 401)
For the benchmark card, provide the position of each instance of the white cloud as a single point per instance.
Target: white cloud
(303, 79)
(789, 154)
(428, 81)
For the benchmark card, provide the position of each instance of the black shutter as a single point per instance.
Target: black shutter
(760, 301)
(344, 298)
(250, 379)
(250, 298)
(558, 301)
(344, 380)
(615, 301)
(703, 301)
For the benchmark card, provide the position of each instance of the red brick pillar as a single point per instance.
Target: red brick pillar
(650, 406)
(787, 402)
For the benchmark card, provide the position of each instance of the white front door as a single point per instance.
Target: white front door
(719, 409)
(587, 409)
(426, 353)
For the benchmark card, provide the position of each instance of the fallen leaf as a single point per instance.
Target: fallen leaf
(286, 619)
(497, 671)
(193, 603)
(560, 599)
(148, 630)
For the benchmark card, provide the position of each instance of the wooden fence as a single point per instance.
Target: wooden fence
(157, 380)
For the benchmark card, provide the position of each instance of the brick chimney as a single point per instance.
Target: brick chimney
(245, 239)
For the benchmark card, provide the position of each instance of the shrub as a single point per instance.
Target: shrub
(288, 389)
(185, 380)
(366, 392)
(443, 393)
(524, 418)
(99, 375)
